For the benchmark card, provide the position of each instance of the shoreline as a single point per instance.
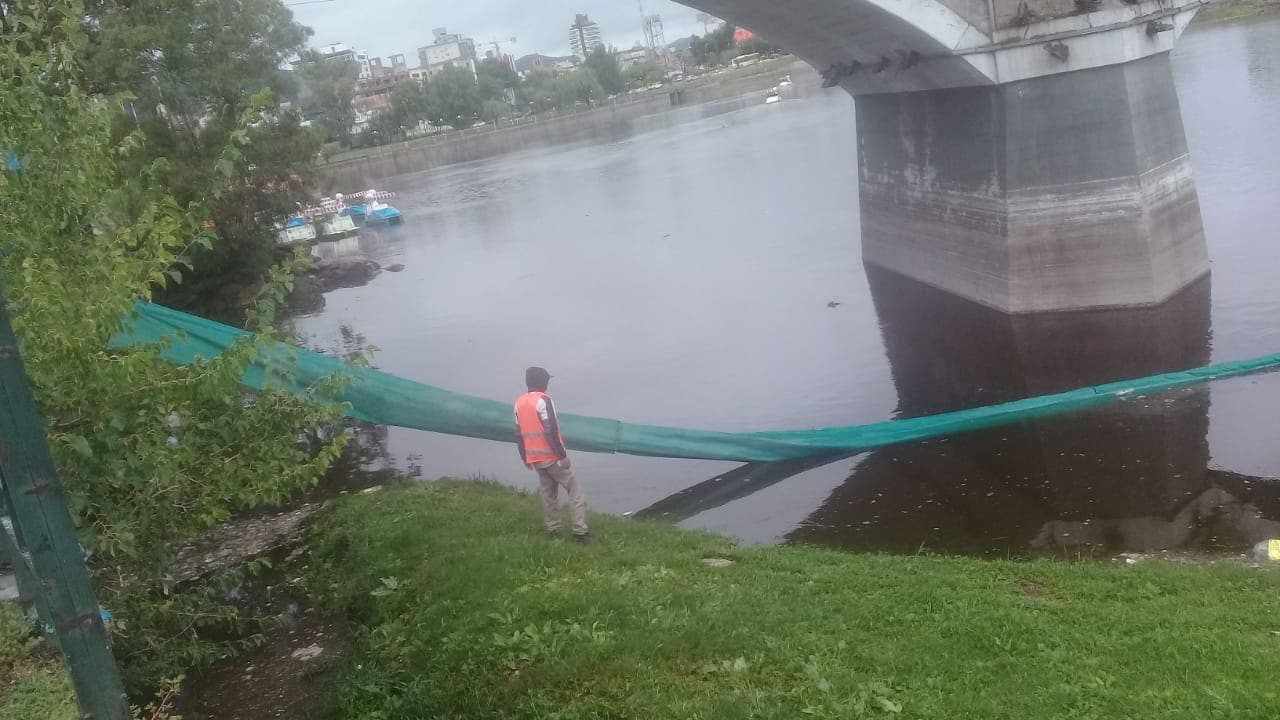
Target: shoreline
(455, 581)
(360, 168)
(465, 608)
(661, 97)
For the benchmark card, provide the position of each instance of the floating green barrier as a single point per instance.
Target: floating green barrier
(385, 399)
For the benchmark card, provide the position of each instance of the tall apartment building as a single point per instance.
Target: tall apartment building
(584, 36)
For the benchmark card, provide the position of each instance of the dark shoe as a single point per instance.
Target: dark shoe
(553, 534)
(584, 539)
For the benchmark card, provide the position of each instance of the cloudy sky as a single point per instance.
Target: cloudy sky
(386, 27)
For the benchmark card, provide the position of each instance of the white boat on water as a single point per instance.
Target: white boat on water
(334, 227)
(772, 97)
(331, 218)
(298, 230)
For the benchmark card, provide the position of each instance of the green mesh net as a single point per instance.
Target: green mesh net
(389, 400)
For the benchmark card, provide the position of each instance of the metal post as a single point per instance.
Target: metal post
(44, 527)
(11, 550)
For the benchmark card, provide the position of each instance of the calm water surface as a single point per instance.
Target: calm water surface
(680, 274)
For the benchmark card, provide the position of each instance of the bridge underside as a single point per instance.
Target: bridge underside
(1059, 192)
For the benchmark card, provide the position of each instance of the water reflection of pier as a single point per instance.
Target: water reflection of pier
(1132, 476)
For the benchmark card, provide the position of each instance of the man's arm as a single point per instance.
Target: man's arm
(520, 442)
(552, 425)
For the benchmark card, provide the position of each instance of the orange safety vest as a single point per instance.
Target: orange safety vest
(537, 446)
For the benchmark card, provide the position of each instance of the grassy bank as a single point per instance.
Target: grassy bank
(466, 610)
(1233, 9)
(33, 685)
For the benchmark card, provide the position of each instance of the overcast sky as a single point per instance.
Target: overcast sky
(386, 27)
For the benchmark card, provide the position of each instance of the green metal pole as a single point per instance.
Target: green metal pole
(11, 550)
(45, 528)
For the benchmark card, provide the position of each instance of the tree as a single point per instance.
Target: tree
(550, 91)
(582, 86)
(410, 105)
(604, 63)
(494, 110)
(539, 88)
(646, 73)
(711, 48)
(268, 178)
(201, 60)
(454, 97)
(191, 69)
(149, 452)
(495, 78)
(328, 92)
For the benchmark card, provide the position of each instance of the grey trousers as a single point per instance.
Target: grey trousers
(551, 478)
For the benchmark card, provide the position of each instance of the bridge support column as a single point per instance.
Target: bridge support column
(1061, 192)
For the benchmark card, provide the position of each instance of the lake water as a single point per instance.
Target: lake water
(680, 272)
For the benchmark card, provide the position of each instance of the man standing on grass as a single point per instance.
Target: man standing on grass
(542, 449)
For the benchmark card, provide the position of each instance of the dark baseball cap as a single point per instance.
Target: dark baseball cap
(536, 378)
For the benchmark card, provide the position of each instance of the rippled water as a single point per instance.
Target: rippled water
(680, 274)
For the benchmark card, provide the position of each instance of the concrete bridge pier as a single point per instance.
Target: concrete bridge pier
(1024, 154)
(1058, 192)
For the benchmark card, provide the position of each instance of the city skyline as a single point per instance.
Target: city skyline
(390, 27)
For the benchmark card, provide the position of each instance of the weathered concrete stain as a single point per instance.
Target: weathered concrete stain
(1065, 192)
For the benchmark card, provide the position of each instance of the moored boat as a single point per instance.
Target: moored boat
(373, 211)
(297, 229)
(336, 226)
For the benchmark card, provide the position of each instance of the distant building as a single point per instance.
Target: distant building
(374, 94)
(628, 59)
(338, 52)
(373, 91)
(448, 50)
(584, 36)
(529, 63)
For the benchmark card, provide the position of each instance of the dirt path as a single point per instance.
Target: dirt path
(283, 679)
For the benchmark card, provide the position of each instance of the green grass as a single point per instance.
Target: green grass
(33, 685)
(466, 610)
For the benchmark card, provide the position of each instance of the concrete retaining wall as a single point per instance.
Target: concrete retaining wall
(612, 122)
